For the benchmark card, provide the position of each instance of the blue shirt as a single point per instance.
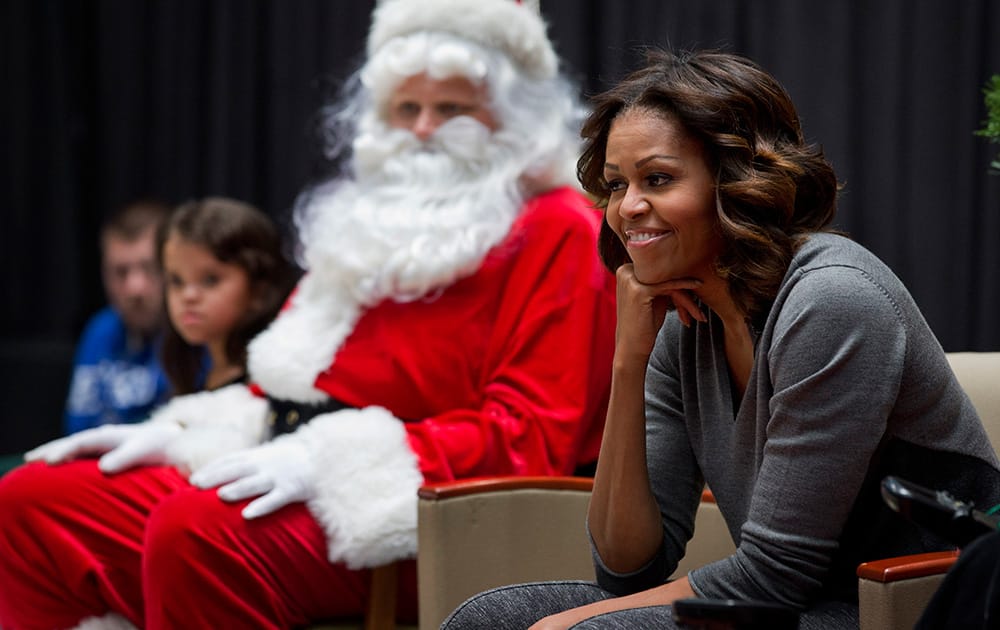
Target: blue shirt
(112, 382)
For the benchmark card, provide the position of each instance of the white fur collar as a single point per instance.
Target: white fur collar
(286, 358)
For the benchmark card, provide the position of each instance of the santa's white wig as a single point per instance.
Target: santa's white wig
(405, 218)
(500, 43)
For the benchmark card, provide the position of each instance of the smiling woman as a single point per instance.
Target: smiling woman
(661, 197)
(756, 352)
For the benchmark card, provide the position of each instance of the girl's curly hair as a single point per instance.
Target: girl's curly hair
(772, 187)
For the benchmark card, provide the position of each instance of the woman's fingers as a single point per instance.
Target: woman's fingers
(679, 294)
(685, 318)
(687, 308)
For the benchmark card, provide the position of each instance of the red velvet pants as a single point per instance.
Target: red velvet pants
(76, 543)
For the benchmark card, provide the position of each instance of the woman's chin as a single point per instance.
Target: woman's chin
(645, 275)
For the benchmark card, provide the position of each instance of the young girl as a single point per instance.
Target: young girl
(225, 280)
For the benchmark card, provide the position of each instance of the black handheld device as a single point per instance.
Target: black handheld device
(730, 614)
(958, 522)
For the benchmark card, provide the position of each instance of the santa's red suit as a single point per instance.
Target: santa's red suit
(505, 371)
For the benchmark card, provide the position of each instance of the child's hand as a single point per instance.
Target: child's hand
(280, 470)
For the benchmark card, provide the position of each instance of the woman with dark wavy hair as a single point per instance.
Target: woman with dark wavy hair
(757, 352)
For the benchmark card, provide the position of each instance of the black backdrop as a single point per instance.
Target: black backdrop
(107, 100)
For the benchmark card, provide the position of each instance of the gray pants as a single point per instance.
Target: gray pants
(517, 607)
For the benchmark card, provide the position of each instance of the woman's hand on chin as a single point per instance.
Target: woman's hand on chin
(643, 307)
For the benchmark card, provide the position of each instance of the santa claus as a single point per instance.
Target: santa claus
(454, 321)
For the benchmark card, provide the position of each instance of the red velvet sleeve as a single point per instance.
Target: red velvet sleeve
(547, 364)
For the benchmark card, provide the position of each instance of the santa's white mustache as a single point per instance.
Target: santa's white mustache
(461, 143)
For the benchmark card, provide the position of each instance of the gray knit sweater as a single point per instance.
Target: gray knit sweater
(848, 384)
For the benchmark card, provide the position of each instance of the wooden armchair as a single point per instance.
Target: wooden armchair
(478, 534)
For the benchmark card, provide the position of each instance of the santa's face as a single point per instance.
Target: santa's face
(422, 104)
(424, 208)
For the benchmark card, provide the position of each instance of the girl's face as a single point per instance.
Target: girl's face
(661, 197)
(205, 296)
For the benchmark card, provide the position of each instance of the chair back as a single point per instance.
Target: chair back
(979, 375)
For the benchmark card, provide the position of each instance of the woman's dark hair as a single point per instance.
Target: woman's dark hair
(239, 234)
(773, 188)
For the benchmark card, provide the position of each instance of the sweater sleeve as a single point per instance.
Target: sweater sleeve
(834, 366)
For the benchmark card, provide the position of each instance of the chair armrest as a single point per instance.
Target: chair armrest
(480, 485)
(907, 567)
(477, 534)
(893, 593)
(448, 489)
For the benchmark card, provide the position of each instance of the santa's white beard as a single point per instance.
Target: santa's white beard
(418, 216)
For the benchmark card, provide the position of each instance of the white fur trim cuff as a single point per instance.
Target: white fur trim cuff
(366, 488)
(215, 423)
(505, 25)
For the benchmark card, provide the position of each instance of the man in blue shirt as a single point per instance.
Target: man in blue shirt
(116, 373)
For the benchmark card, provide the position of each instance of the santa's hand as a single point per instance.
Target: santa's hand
(281, 471)
(122, 445)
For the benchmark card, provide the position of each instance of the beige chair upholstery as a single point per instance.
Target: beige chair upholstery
(893, 593)
(477, 534)
(979, 374)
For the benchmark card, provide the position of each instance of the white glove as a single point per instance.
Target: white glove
(122, 446)
(281, 471)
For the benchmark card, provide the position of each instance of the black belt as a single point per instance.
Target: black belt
(287, 415)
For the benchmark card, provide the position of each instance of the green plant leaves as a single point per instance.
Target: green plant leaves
(991, 128)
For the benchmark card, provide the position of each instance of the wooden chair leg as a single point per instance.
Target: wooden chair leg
(381, 613)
